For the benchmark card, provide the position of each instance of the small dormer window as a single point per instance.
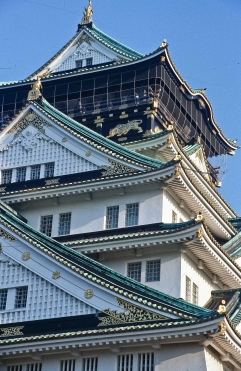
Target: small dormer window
(6, 176)
(35, 172)
(79, 63)
(89, 61)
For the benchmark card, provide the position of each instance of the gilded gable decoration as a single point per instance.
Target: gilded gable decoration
(7, 235)
(116, 168)
(11, 331)
(132, 313)
(31, 119)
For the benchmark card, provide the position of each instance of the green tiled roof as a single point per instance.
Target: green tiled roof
(233, 246)
(80, 129)
(96, 271)
(190, 149)
(112, 43)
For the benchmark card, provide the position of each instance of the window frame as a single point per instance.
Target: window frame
(130, 214)
(42, 230)
(137, 263)
(112, 221)
(158, 278)
(19, 306)
(66, 231)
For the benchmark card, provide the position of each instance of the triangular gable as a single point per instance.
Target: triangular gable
(197, 156)
(86, 280)
(43, 300)
(41, 133)
(89, 47)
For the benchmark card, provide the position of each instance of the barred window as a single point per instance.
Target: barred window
(195, 294)
(174, 217)
(132, 214)
(15, 368)
(49, 170)
(146, 362)
(134, 271)
(21, 297)
(35, 172)
(90, 364)
(89, 61)
(112, 216)
(21, 174)
(34, 367)
(6, 176)
(153, 269)
(3, 299)
(188, 289)
(79, 63)
(67, 365)
(46, 223)
(125, 362)
(64, 223)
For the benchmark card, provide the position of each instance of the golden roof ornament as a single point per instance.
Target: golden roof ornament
(87, 18)
(222, 307)
(199, 216)
(35, 93)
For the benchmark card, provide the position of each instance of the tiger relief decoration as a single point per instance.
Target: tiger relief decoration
(125, 128)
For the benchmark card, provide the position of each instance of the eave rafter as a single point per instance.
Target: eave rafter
(169, 146)
(208, 251)
(89, 186)
(183, 186)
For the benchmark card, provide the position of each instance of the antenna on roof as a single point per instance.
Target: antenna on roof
(87, 18)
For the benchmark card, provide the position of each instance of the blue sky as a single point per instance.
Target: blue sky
(204, 39)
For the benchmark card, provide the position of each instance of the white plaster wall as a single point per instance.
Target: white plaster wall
(197, 276)
(44, 299)
(169, 275)
(213, 361)
(169, 205)
(181, 357)
(89, 216)
(66, 162)
(97, 56)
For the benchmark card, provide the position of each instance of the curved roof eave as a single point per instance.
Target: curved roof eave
(193, 93)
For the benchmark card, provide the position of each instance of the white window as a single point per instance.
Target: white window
(132, 214)
(188, 289)
(35, 172)
(46, 223)
(153, 270)
(90, 364)
(112, 217)
(49, 170)
(174, 217)
(6, 176)
(67, 365)
(146, 362)
(125, 362)
(64, 223)
(194, 293)
(21, 174)
(89, 61)
(15, 368)
(134, 271)
(79, 63)
(3, 299)
(21, 297)
(34, 367)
